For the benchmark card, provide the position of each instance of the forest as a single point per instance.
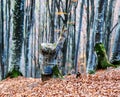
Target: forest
(49, 44)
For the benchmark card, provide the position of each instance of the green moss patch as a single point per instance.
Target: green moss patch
(14, 73)
(91, 71)
(56, 72)
(103, 62)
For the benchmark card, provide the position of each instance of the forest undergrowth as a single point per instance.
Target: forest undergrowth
(104, 83)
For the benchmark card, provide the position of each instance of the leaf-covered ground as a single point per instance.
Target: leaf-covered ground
(102, 84)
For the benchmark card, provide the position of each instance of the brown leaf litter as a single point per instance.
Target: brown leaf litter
(102, 84)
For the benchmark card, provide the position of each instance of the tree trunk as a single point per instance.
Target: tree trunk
(91, 56)
(51, 10)
(49, 52)
(103, 62)
(88, 29)
(109, 24)
(116, 47)
(74, 36)
(1, 40)
(17, 37)
(100, 20)
(79, 33)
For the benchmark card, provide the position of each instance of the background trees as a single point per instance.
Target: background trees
(116, 48)
(1, 40)
(27, 23)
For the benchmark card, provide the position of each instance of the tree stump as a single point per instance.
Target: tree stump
(48, 60)
(49, 52)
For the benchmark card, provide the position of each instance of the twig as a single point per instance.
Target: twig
(113, 27)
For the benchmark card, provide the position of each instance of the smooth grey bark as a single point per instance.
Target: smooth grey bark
(31, 39)
(79, 34)
(51, 9)
(100, 21)
(90, 25)
(66, 8)
(0, 48)
(26, 41)
(28, 32)
(99, 31)
(88, 28)
(1, 40)
(116, 46)
(92, 12)
(109, 24)
(74, 34)
(7, 19)
(33, 61)
(92, 57)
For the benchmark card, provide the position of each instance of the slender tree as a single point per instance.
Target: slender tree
(51, 9)
(75, 4)
(109, 23)
(1, 40)
(88, 28)
(91, 56)
(116, 47)
(7, 25)
(79, 33)
(66, 8)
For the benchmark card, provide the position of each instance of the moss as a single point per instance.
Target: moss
(103, 62)
(91, 71)
(56, 72)
(14, 73)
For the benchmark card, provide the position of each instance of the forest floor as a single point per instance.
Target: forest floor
(104, 83)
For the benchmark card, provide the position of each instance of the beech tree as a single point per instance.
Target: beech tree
(116, 47)
(91, 37)
(17, 36)
(79, 33)
(1, 40)
(97, 32)
(109, 24)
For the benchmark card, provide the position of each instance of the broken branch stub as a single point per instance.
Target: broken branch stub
(48, 49)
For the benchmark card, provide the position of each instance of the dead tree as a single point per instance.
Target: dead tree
(49, 52)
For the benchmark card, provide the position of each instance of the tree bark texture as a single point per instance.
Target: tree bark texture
(18, 24)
